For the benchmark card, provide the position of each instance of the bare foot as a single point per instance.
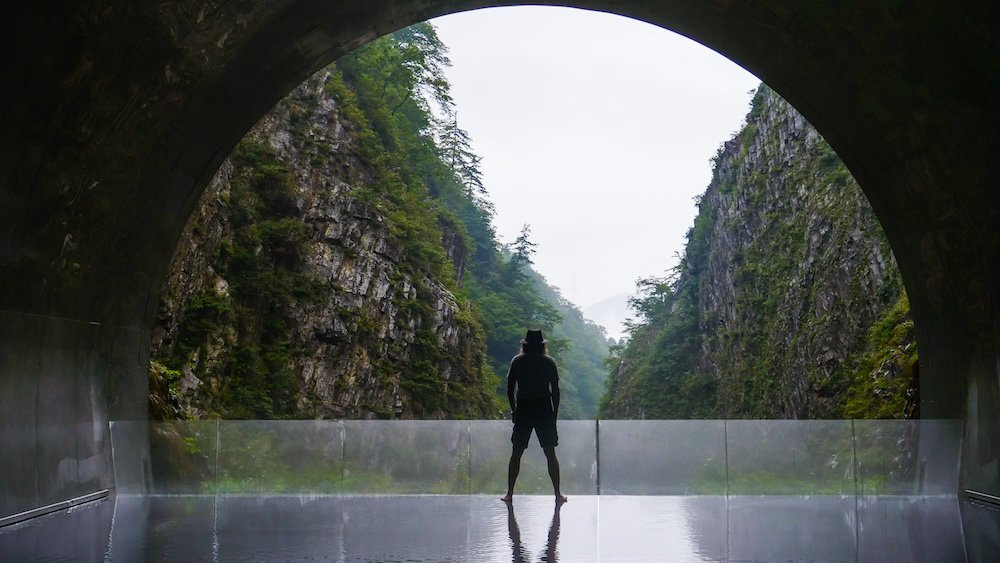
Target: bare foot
(507, 498)
(560, 499)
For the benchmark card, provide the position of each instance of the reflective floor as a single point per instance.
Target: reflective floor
(481, 528)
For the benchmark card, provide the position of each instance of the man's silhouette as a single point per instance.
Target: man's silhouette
(533, 393)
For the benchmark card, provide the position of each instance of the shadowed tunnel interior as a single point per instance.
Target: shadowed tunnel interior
(116, 115)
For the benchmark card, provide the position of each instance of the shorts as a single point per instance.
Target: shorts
(537, 415)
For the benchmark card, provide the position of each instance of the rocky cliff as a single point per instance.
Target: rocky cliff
(326, 305)
(788, 303)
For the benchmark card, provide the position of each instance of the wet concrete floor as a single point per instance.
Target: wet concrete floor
(435, 528)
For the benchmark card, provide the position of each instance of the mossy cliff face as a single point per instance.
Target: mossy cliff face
(788, 303)
(294, 294)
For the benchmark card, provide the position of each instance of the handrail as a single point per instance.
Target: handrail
(54, 507)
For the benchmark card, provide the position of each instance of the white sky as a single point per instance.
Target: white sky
(596, 130)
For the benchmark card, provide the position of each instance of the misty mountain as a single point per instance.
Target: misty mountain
(611, 314)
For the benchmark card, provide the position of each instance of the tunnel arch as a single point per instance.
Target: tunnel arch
(121, 114)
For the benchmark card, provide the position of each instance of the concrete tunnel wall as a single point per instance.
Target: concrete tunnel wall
(117, 113)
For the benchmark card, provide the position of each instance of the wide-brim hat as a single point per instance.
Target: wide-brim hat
(534, 337)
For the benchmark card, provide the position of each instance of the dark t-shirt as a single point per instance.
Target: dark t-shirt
(533, 374)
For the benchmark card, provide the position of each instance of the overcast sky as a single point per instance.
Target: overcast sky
(596, 130)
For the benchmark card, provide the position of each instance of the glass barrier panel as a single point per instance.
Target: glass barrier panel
(577, 454)
(940, 448)
(183, 455)
(280, 456)
(790, 457)
(406, 456)
(637, 457)
(907, 457)
(491, 448)
(489, 452)
(663, 457)
(130, 459)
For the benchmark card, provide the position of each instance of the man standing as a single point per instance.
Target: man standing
(533, 392)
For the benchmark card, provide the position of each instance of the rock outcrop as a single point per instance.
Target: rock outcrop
(786, 275)
(363, 332)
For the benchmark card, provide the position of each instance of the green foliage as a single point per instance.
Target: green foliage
(423, 378)
(884, 378)
(508, 302)
(663, 351)
(204, 314)
(252, 358)
(398, 140)
(164, 392)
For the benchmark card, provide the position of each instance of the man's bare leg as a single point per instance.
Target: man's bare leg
(553, 463)
(513, 468)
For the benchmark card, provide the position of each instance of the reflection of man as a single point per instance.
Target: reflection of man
(518, 554)
(533, 392)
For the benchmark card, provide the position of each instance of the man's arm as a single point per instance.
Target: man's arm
(511, 384)
(554, 387)
(555, 397)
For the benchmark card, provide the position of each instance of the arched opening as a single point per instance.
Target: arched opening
(311, 144)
